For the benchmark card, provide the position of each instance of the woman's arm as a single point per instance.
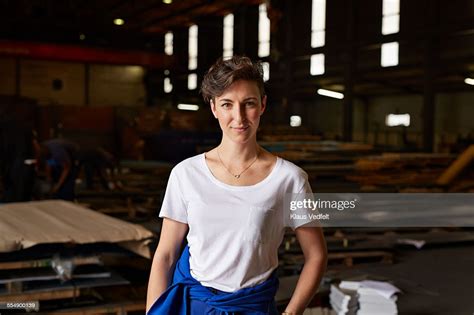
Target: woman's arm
(312, 243)
(167, 253)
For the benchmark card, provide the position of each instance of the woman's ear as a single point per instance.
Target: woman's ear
(264, 104)
(213, 108)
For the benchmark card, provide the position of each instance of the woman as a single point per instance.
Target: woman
(229, 204)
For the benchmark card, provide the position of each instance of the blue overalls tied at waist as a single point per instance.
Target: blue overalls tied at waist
(177, 299)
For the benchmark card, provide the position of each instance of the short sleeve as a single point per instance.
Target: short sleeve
(174, 206)
(299, 216)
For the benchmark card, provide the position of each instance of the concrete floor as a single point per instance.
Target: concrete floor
(434, 281)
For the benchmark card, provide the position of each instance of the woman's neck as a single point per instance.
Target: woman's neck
(236, 152)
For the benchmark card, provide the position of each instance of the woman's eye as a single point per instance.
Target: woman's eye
(226, 105)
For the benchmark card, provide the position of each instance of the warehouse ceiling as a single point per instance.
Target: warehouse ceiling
(92, 22)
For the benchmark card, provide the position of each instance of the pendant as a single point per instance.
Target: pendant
(237, 176)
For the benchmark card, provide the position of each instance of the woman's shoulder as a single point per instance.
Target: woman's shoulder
(189, 164)
(284, 167)
(291, 169)
(291, 175)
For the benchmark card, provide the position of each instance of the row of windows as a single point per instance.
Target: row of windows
(389, 51)
(390, 25)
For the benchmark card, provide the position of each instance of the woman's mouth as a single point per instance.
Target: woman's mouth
(240, 129)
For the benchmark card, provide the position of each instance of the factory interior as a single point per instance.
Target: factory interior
(370, 98)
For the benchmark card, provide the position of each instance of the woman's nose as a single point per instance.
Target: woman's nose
(239, 113)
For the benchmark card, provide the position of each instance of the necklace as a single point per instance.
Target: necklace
(237, 176)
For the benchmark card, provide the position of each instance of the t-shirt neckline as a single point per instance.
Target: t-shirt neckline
(233, 187)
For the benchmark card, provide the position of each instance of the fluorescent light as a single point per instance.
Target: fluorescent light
(393, 120)
(30, 161)
(167, 1)
(119, 22)
(332, 94)
(295, 121)
(469, 81)
(188, 107)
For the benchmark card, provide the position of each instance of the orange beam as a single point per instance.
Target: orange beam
(83, 54)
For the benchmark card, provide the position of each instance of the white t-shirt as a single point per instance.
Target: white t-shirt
(234, 231)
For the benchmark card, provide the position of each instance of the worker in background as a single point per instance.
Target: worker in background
(58, 160)
(229, 205)
(16, 162)
(102, 164)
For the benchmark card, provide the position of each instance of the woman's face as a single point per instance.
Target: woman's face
(238, 110)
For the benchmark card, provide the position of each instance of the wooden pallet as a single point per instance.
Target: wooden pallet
(42, 285)
(399, 170)
(364, 232)
(116, 203)
(347, 259)
(47, 262)
(350, 259)
(57, 294)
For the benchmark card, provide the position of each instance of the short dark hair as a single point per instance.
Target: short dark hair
(223, 73)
